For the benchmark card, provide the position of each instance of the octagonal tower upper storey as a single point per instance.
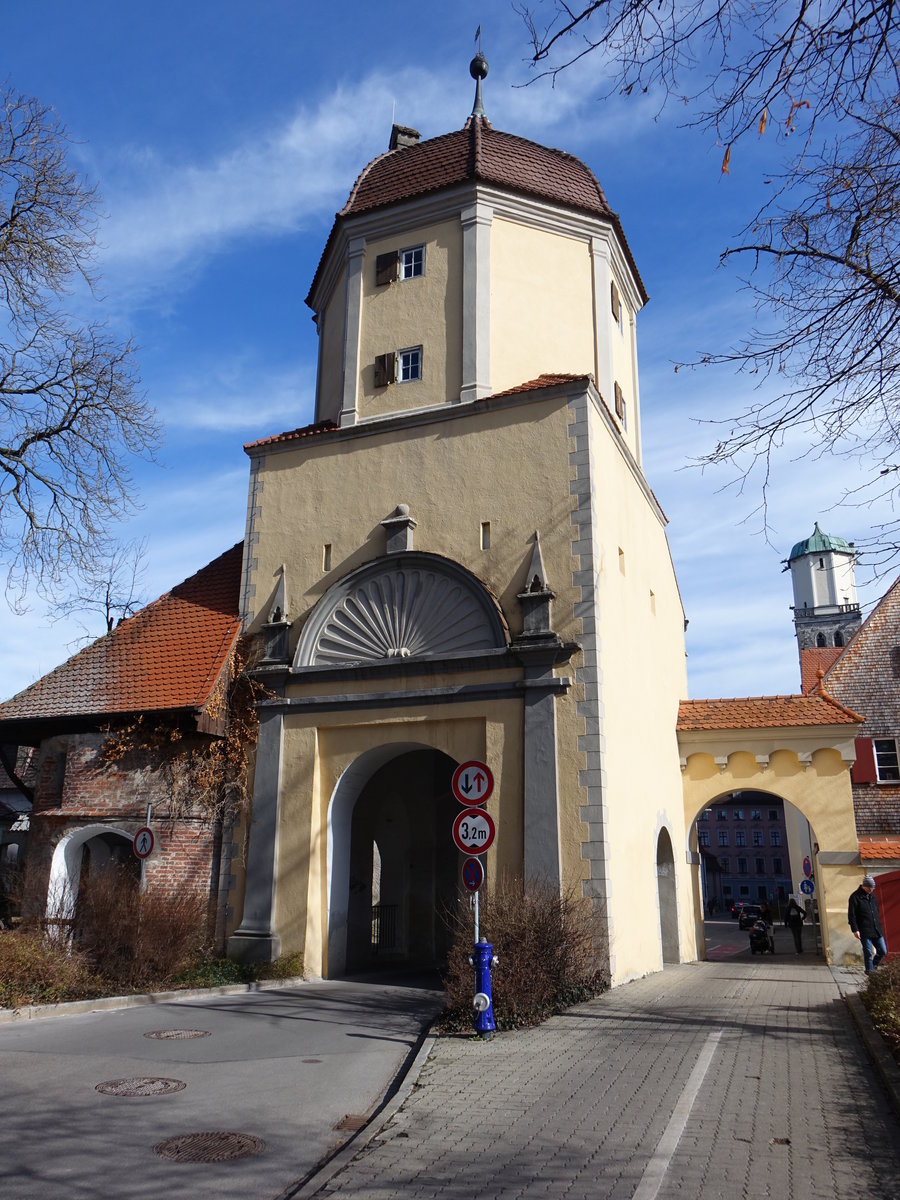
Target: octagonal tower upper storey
(469, 264)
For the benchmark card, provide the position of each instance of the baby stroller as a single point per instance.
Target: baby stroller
(761, 938)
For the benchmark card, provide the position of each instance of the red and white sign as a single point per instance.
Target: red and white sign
(143, 842)
(472, 782)
(474, 831)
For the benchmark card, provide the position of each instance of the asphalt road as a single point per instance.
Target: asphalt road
(297, 1068)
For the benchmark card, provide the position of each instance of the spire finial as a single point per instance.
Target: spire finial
(478, 69)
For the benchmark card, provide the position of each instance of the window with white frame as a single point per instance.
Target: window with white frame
(886, 762)
(410, 362)
(412, 262)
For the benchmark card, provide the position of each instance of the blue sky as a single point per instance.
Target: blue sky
(223, 137)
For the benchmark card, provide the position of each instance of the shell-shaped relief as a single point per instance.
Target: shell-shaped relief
(402, 613)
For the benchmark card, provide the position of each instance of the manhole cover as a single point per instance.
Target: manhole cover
(140, 1086)
(351, 1123)
(210, 1147)
(174, 1035)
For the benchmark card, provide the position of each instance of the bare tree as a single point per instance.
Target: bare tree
(824, 250)
(71, 412)
(110, 589)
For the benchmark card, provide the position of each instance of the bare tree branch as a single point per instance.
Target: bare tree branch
(72, 416)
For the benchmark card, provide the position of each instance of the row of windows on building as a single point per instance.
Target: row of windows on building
(406, 366)
(740, 837)
(724, 814)
(759, 866)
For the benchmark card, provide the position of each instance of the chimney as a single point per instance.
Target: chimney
(402, 136)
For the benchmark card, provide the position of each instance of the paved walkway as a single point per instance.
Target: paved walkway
(711, 1080)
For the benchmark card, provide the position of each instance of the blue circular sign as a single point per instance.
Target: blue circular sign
(807, 887)
(472, 874)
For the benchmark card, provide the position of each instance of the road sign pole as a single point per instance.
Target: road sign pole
(476, 916)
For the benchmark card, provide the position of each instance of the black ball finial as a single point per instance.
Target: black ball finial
(478, 67)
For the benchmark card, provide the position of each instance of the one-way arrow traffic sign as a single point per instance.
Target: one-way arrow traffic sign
(472, 783)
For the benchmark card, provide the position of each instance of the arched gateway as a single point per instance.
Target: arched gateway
(794, 748)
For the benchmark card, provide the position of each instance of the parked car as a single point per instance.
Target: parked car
(750, 914)
(736, 907)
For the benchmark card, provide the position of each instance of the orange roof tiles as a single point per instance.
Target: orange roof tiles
(167, 656)
(311, 431)
(814, 660)
(294, 435)
(763, 712)
(872, 849)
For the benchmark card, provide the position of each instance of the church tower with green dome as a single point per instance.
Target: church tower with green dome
(826, 607)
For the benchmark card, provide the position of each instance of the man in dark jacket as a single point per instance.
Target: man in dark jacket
(862, 913)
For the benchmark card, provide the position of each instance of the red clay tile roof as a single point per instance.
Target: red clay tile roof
(293, 435)
(479, 153)
(167, 656)
(763, 712)
(308, 431)
(872, 849)
(813, 660)
(535, 385)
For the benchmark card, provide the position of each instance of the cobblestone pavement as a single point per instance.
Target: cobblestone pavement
(712, 1080)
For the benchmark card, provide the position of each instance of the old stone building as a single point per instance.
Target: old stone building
(165, 667)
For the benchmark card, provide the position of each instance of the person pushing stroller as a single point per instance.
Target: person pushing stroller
(762, 932)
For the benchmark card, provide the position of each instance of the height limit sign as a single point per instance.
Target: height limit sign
(474, 831)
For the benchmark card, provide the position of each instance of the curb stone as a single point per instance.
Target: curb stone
(73, 1008)
(883, 1060)
(404, 1081)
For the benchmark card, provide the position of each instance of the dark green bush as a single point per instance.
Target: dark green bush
(551, 949)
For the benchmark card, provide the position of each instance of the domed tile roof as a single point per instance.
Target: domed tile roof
(478, 153)
(819, 542)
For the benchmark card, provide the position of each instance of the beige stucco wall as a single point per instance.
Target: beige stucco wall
(425, 311)
(541, 304)
(322, 748)
(640, 623)
(331, 352)
(820, 791)
(454, 475)
(511, 466)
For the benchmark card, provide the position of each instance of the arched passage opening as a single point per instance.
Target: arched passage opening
(392, 868)
(755, 848)
(84, 854)
(668, 905)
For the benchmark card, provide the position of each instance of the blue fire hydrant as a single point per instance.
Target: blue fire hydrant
(482, 959)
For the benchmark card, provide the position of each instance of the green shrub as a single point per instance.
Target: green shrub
(882, 998)
(551, 950)
(38, 968)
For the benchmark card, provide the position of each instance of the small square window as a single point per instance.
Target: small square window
(722, 814)
(886, 762)
(755, 814)
(773, 814)
(412, 262)
(738, 814)
(410, 364)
